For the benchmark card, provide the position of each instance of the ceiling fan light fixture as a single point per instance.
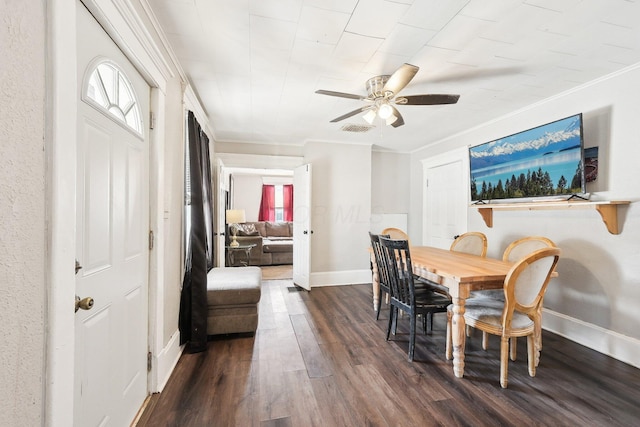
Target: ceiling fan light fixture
(370, 116)
(382, 97)
(385, 111)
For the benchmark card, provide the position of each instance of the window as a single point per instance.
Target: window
(279, 204)
(109, 90)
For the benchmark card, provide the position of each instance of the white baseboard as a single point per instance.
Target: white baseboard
(620, 347)
(166, 361)
(338, 278)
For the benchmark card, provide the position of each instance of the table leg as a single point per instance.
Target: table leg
(246, 255)
(375, 282)
(458, 336)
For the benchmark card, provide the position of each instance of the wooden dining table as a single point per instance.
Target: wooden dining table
(461, 273)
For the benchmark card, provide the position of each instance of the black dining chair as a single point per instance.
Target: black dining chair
(404, 295)
(383, 271)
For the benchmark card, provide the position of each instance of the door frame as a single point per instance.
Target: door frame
(220, 185)
(122, 25)
(458, 154)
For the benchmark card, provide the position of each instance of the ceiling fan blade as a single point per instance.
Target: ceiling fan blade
(400, 121)
(431, 99)
(400, 78)
(340, 94)
(352, 113)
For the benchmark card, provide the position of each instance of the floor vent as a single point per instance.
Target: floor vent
(356, 128)
(294, 289)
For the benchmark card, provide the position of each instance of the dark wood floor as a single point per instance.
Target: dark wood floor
(320, 359)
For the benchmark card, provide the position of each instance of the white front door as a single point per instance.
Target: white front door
(302, 226)
(445, 199)
(110, 378)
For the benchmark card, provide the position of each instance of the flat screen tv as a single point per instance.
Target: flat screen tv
(546, 161)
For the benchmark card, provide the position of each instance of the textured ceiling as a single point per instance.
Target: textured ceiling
(256, 64)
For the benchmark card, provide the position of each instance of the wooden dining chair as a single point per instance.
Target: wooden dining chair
(514, 252)
(383, 270)
(396, 234)
(521, 312)
(404, 295)
(472, 242)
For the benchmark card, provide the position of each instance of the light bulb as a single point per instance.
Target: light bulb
(370, 116)
(385, 111)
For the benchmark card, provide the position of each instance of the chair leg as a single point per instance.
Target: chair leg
(504, 361)
(532, 351)
(513, 352)
(448, 352)
(485, 340)
(538, 337)
(412, 336)
(379, 304)
(392, 310)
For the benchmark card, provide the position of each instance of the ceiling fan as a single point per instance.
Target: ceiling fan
(382, 94)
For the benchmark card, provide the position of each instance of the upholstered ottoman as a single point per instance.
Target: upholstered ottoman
(232, 299)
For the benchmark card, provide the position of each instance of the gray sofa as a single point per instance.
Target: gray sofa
(273, 241)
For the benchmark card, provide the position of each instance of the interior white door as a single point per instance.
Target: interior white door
(302, 230)
(445, 199)
(221, 206)
(111, 338)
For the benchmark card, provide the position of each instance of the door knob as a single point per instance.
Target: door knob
(84, 303)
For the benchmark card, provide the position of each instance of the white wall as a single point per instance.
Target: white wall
(173, 185)
(595, 300)
(390, 174)
(247, 193)
(341, 200)
(22, 212)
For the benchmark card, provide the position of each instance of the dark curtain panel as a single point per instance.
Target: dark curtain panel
(207, 199)
(267, 204)
(287, 196)
(199, 254)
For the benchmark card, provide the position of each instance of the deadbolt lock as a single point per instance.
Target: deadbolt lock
(84, 303)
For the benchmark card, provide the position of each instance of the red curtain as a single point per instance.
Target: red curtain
(287, 196)
(267, 204)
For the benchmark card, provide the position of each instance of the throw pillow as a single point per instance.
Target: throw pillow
(247, 230)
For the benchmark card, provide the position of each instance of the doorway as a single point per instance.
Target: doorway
(234, 164)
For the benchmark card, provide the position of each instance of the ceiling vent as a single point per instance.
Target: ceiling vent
(356, 128)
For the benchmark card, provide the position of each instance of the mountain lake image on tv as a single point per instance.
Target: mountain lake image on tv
(544, 161)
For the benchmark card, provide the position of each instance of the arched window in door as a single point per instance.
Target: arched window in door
(108, 89)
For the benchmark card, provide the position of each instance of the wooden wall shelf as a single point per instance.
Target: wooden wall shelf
(608, 210)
